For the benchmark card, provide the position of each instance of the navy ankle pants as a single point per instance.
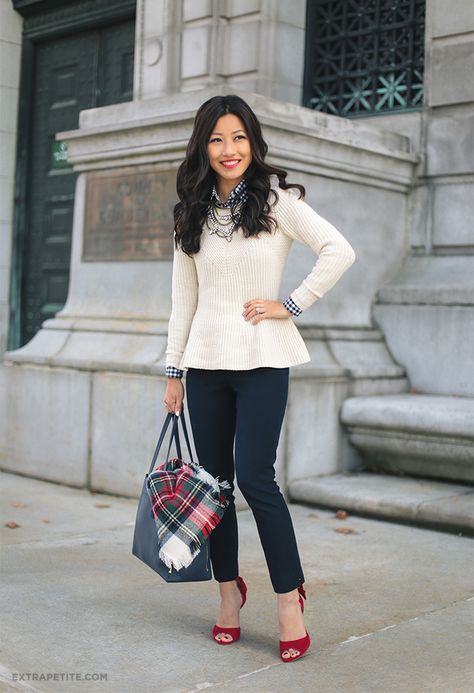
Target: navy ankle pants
(248, 407)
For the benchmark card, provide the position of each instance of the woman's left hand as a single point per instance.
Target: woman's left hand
(267, 309)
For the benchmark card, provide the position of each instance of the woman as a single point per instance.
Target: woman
(234, 225)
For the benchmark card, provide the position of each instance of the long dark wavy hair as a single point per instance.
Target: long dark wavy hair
(195, 176)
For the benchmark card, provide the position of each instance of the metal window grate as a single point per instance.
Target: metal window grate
(364, 57)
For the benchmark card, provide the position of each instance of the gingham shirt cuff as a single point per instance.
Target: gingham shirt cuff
(173, 372)
(292, 307)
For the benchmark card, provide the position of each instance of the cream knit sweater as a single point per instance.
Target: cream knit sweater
(206, 327)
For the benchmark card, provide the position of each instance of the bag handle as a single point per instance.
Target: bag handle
(188, 445)
(160, 440)
(174, 435)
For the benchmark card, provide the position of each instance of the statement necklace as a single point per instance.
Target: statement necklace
(224, 224)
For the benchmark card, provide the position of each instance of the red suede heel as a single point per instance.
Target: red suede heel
(301, 644)
(233, 632)
(302, 592)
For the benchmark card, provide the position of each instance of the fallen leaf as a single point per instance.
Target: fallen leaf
(341, 515)
(45, 519)
(346, 530)
(12, 524)
(102, 505)
(20, 505)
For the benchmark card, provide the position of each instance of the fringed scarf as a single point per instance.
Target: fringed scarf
(187, 504)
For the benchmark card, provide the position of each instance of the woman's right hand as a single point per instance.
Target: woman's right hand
(174, 395)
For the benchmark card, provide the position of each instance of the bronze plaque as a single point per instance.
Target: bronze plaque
(129, 214)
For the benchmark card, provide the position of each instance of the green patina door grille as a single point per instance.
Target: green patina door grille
(364, 57)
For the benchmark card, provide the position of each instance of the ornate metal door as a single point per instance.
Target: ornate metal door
(91, 68)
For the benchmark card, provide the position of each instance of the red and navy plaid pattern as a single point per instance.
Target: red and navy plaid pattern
(183, 504)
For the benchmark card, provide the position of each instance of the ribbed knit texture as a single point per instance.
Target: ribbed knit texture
(206, 327)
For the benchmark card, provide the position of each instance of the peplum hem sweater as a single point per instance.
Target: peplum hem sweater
(206, 327)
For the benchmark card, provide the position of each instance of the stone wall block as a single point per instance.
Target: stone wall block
(44, 423)
(446, 23)
(452, 67)
(449, 138)
(195, 51)
(434, 344)
(314, 433)
(453, 215)
(240, 48)
(196, 9)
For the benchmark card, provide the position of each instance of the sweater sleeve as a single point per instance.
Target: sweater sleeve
(300, 222)
(184, 296)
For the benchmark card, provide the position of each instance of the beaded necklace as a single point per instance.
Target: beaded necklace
(224, 225)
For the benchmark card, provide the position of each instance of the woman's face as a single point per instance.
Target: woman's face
(229, 149)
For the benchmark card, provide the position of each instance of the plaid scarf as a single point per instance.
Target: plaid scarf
(187, 504)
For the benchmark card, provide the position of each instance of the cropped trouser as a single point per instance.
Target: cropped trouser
(249, 406)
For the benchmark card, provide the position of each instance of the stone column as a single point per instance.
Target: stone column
(157, 46)
(256, 45)
(427, 310)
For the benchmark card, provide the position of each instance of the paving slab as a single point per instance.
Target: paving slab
(408, 656)
(389, 606)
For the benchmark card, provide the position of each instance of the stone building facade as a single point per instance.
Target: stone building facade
(391, 382)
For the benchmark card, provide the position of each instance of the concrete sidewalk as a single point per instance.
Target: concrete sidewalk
(389, 609)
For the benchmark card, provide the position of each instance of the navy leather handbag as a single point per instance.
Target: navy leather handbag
(145, 540)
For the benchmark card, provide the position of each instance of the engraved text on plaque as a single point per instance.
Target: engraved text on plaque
(129, 214)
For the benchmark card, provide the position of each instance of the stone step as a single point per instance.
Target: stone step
(416, 434)
(437, 504)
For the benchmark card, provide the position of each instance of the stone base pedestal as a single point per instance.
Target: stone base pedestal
(94, 421)
(88, 388)
(88, 429)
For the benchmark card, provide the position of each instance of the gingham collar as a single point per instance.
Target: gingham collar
(238, 194)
